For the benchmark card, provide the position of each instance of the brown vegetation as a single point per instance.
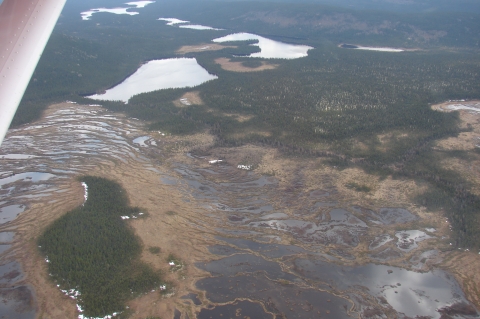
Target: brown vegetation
(202, 47)
(229, 65)
(189, 98)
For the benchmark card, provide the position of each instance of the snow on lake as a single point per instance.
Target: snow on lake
(172, 21)
(156, 75)
(139, 4)
(86, 15)
(358, 47)
(270, 49)
(470, 106)
(380, 49)
(197, 27)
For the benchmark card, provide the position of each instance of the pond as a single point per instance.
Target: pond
(412, 293)
(269, 49)
(157, 75)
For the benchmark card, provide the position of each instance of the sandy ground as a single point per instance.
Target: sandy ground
(228, 65)
(202, 47)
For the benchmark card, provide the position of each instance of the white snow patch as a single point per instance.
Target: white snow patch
(85, 186)
(185, 101)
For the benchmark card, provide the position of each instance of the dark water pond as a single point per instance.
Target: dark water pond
(17, 303)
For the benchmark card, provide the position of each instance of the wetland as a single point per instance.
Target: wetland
(330, 184)
(260, 251)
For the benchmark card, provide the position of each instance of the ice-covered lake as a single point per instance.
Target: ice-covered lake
(381, 49)
(197, 27)
(156, 75)
(86, 15)
(173, 21)
(269, 49)
(184, 25)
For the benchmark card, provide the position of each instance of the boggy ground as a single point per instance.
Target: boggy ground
(202, 47)
(262, 226)
(229, 65)
(465, 266)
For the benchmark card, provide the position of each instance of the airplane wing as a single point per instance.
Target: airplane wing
(25, 27)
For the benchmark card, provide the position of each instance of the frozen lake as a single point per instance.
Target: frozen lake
(197, 27)
(381, 49)
(173, 21)
(156, 75)
(86, 15)
(270, 49)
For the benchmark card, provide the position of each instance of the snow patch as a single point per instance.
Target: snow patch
(85, 187)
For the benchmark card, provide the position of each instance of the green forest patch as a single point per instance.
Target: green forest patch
(93, 251)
